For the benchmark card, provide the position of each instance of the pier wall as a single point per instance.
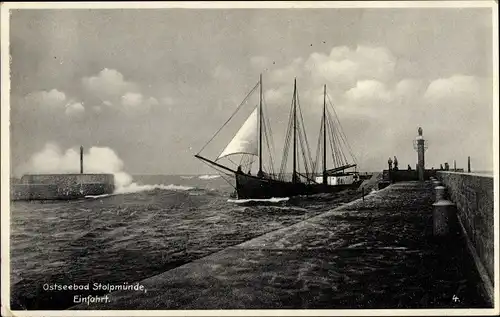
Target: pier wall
(406, 175)
(61, 186)
(473, 195)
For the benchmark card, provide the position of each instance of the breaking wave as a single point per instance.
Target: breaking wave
(135, 188)
(187, 177)
(209, 176)
(98, 196)
(269, 200)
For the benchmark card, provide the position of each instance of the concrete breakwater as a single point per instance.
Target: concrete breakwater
(473, 196)
(61, 186)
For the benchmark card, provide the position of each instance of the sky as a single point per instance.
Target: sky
(153, 85)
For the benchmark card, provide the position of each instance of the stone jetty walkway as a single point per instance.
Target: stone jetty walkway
(373, 253)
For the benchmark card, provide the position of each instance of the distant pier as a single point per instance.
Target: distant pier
(62, 186)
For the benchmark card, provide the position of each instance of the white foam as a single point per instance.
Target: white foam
(187, 177)
(356, 245)
(98, 196)
(270, 200)
(393, 248)
(208, 177)
(135, 188)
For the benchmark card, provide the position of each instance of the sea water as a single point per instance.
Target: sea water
(156, 224)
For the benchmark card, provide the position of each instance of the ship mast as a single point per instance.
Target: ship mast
(294, 176)
(324, 137)
(260, 129)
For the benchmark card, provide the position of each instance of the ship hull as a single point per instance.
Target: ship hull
(252, 187)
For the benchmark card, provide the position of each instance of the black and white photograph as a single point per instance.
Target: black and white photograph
(249, 158)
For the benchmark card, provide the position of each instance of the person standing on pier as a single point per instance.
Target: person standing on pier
(395, 163)
(389, 172)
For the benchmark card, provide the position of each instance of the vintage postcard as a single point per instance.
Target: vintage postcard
(249, 158)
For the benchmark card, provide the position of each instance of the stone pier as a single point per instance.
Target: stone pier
(376, 253)
(61, 186)
(473, 194)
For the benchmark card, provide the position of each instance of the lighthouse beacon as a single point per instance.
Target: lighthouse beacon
(420, 147)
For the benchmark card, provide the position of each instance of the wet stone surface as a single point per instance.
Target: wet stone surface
(376, 253)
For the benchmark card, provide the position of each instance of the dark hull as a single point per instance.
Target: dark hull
(252, 187)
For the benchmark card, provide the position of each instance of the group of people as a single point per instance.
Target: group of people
(395, 162)
(446, 167)
(240, 171)
(390, 162)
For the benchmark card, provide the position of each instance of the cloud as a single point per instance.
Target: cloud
(74, 109)
(455, 87)
(377, 106)
(360, 82)
(334, 67)
(374, 63)
(286, 74)
(346, 66)
(53, 99)
(108, 84)
(52, 103)
(409, 87)
(117, 93)
(368, 71)
(461, 107)
(459, 100)
(136, 101)
(131, 99)
(369, 90)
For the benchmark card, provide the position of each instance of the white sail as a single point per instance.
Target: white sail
(246, 140)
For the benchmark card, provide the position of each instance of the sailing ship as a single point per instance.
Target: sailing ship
(305, 178)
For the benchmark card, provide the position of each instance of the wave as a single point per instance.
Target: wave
(208, 177)
(269, 200)
(187, 177)
(135, 188)
(98, 196)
